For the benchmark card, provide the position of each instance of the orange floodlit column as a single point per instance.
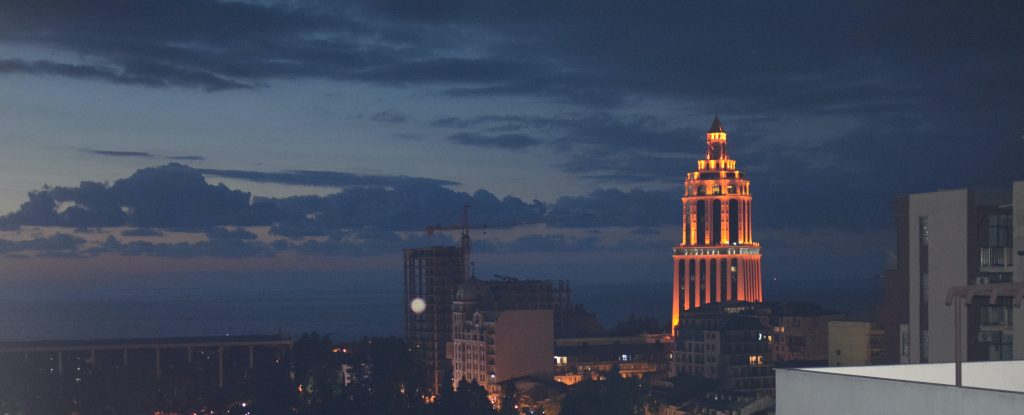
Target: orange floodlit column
(717, 259)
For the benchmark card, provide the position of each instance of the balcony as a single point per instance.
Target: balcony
(996, 259)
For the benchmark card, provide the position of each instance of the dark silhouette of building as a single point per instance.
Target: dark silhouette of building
(717, 259)
(728, 343)
(432, 275)
(216, 360)
(644, 356)
(892, 312)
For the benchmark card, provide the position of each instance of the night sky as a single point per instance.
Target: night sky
(202, 136)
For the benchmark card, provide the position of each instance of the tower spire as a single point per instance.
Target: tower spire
(716, 126)
(716, 142)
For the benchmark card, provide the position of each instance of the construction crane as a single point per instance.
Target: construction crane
(464, 241)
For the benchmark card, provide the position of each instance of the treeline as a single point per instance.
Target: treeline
(317, 377)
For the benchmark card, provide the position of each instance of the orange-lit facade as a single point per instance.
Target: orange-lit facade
(717, 259)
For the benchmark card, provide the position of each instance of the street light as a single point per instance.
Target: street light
(958, 296)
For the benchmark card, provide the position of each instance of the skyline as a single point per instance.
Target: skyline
(833, 112)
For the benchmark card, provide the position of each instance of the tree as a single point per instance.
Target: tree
(469, 398)
(613, 396)
(509, 399)
(316, 372)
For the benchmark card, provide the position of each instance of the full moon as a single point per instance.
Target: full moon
(418, 306)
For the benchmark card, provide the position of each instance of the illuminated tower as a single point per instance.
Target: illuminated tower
(717, 259)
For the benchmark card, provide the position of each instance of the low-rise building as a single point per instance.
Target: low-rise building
(726, 342)
(854, 343)
(502, 330)
(642, 356)
(800, 332)
(213, 361)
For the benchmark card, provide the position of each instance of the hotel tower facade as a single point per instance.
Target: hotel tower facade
(717, 259)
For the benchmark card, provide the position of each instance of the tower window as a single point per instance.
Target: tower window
(701, 221)
(734, 221)
(716, 222)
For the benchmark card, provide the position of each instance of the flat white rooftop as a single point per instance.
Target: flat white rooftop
(1001, 376)
(989, 388)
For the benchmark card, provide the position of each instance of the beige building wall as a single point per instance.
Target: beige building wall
(849, 343)
(950, 225)
(947, 217)
(524, 344)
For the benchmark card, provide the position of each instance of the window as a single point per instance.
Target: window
(997, 315)
(922, 230)
(999, 230)
(734, 221)
(702, 209)
(924, 287)
(924, 346)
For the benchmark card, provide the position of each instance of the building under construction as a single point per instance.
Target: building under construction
(433, 275)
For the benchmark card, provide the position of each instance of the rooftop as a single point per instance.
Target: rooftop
(925, 389)
(1007, 376)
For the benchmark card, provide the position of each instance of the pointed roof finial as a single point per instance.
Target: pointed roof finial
(716, 126)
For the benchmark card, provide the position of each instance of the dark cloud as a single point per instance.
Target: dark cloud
(401, 208)
(299, 228)
(367, 242)
(800, 56)
(408, 136)
(325, 178)
(116, 153)
(943, 69)
(141, 154)
(169, 196)
(502, 141)
(59, 243)
(218, 248)
(613, 207)
(241, 45)
(601, 146)
(552, 243)
(393, 117)
(152, 75)
(177, 198)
